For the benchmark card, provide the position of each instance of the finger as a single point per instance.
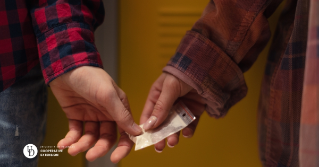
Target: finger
(87, 140)
(121, 94)
(197, 108)
(149, 105)
(116, 104)
(106, 141)
(170, 93)
(74, 134)
(189, 131)
(123, 147)
(173, 140)
(147, 111)
(159, 147)
(152, 97)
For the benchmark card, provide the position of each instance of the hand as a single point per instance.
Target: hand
(163, 93)
(89, 95)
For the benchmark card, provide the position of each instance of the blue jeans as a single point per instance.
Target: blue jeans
(23, 109)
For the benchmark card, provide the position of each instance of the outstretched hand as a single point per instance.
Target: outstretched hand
(89, 95)
(163, 94)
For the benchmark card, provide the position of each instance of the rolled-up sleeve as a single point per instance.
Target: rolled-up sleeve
(220, 47)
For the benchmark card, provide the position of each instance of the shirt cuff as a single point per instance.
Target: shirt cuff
(65, 48)
(210, 71)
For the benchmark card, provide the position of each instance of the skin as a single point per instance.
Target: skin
(165, 91)
(90, 97)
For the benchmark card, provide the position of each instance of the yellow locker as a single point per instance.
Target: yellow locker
(149, 33)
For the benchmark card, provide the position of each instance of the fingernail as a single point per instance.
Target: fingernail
(137, 129)
(187, 136)
(170, 145)
(150, 123)
(158, 150)
(188, 132)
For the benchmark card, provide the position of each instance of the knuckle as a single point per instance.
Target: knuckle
(126, 104)
(155, 87)
(159, 106)
(172, 85)
(75, 129)
(108, 136)
(124, 95)
(172, 81)
(123, 98)
(124, 116)
(90, 132)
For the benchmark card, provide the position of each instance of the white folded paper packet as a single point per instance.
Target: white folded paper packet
(178, 118)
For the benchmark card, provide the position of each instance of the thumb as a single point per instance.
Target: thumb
(171, 90)
(124, 119)
(119, 109)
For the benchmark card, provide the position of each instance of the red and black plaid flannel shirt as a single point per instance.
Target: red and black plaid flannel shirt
(56, 33)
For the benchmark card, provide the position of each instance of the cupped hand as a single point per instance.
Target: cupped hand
(163, 94)
(88, 95)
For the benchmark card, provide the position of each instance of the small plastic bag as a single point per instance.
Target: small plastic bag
(178, 118)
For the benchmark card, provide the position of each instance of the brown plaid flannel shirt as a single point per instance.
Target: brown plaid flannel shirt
(226, 41)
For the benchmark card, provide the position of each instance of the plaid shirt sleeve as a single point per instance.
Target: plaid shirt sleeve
(222, 44)
(64, 31)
